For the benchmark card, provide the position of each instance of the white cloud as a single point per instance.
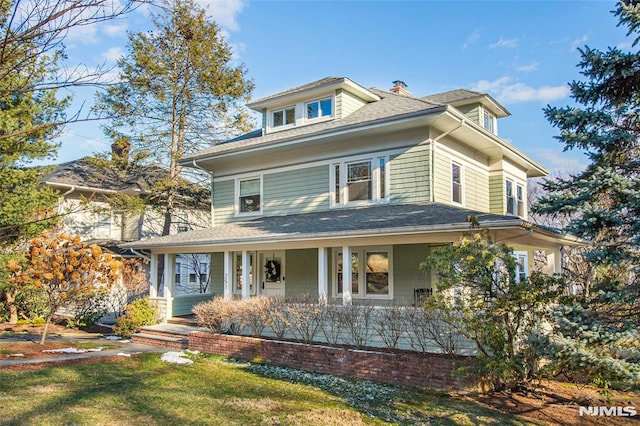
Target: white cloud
(579, 42)
(528, 68)
(113, 54)
(558, 162)
(507, 91)
(224, 12)
(505, 43)
(115, 30)
(472, 38)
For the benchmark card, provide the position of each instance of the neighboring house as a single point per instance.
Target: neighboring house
(339, 172)
(85, 188)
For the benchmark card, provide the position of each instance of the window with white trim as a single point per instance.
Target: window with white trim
(489, 121)
(371, 275)
(283, 117)
(319, 108)
(522, 265)
(514, 194)
(359, 181)
(456, 183)
(249, 196)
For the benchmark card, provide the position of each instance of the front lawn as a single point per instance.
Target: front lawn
(146, 391)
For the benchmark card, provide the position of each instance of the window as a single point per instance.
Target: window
(520, 200)
(489, 121)
(521, 258)
(359, 181)
(178, 275)
(370, 273)
(514, 194)
(249, 196)
(183, 227)
(284, 116)
(237, 286)
(456, 183)
(321, 108)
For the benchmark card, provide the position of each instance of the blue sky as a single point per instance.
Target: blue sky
(523, 53)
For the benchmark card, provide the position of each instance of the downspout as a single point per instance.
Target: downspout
(61, 200)
(434, 141)
(195, 164)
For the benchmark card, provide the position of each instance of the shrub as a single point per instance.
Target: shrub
(217, 315)
(137, 314)
(253, 314)
(89, 307)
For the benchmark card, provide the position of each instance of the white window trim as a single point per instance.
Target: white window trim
(319, 117)
(516, 254)
(362, 251)
(494, 121)
(236, 199)
(514, 186)
(284, 116)
(462, 191)
(375, 184)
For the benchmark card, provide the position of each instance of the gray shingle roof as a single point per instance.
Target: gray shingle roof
(452, 96)
(308, 86)
(391, 106)
(333, 223)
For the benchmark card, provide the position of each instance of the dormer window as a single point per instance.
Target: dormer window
(284, 116)
(319, 108)
(489, 121)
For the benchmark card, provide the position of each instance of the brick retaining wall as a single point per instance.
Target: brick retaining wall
(429, 371)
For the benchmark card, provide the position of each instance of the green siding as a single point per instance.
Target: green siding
(346, 103)
(223, 193)
(475, 190)
(407, 275)
(301, 272)
(183, 305)
(442, 180)
(496, 194)
(472, 112)
(409, 177)
(296, 191)
(217, 274)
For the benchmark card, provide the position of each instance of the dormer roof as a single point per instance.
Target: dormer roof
(460, 97)
(310, 89)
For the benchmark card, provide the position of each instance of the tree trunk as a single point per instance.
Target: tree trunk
(13, 309)
(45, 330)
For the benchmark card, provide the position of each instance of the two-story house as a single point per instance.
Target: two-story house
(338, 171)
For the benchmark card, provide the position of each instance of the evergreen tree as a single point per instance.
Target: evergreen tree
(178, 93)
(597, 334)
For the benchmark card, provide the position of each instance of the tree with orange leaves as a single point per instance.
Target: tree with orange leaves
(64, 268)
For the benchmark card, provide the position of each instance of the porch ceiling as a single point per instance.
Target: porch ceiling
(389, 224)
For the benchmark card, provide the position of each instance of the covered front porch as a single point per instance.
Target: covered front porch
(303, 255)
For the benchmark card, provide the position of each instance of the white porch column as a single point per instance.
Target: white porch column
(323, 279)
(153, 276)
(554, 261)
(228, 275)
(169, 278)
(246, 275)
(346, 275)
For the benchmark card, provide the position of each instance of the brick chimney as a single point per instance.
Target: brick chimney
(400, 87)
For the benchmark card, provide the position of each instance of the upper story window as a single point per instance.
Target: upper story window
(514, 194)
(319, 108)
(489, 121)
(456, 183)
(359, 181)
(249, 199)
(284, 116)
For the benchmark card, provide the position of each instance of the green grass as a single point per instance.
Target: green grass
(147, 391)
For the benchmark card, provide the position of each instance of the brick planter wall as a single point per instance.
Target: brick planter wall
(428, 371)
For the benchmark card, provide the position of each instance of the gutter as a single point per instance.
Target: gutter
(142, 255)
(80, 188)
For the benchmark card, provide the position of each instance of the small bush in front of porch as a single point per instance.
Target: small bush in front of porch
(137, 314)
(218, 315)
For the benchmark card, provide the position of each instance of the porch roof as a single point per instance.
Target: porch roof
(338, 224)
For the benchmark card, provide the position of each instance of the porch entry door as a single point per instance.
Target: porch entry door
(272, 273)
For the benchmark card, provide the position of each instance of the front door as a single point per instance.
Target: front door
(272, 273)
